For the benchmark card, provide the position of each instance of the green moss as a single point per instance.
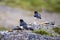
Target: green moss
(50, 34)
(51, 5)
(42, 32)
(57, 30)
(3, 28)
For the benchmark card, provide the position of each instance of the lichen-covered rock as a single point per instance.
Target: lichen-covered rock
(1, 36)
(25, 35)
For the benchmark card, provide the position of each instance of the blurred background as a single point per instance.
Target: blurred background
(13, 10)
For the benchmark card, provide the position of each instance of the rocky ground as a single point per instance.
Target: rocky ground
(24, 35)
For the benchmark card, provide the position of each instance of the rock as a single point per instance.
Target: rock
(1, 36)
(25, 35)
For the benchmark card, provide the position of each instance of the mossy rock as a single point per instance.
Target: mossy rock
(57, 30)
(42, 32)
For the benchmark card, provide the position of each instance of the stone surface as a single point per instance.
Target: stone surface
(25, 35)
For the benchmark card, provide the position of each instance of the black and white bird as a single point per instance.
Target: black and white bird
(21, 26)
(25, 25)
(37, 15)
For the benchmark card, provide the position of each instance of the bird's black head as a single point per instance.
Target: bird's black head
(21, 20)
(35, 12)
